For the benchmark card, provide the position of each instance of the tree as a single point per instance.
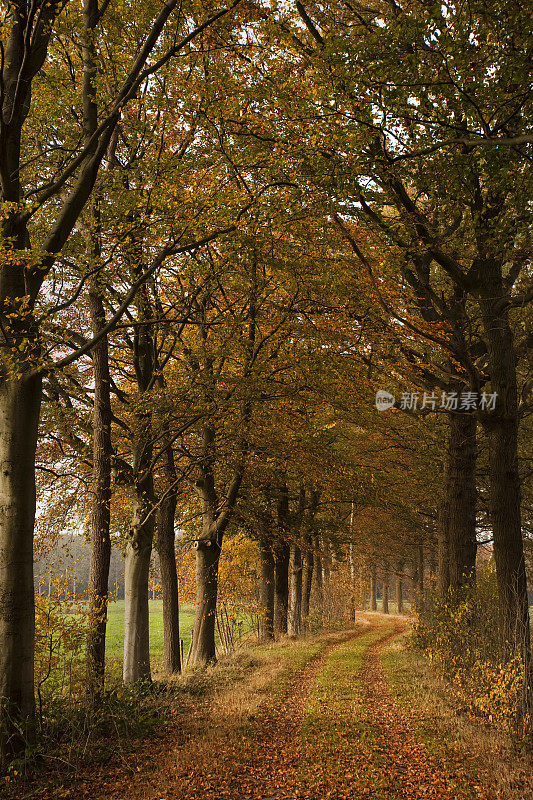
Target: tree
(462, 210)
(42, 199)
(101, 512)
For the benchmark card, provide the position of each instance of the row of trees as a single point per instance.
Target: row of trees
(223, 230)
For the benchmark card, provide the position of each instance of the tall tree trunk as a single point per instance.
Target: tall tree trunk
(208, 548)
(101, 504)
(461, 500)
(353, 582)
(25, 49)
(20, 402)
(209, 545)
(136, 666)
(506, 523)
(167, 561)
(307, 554)
(501, 426)
(318, 575)
(294, 625)
(203, 650)
(282, 559)
(399, 588)
(443, 544)
(373, 588)
(101, 510)
(307, 578)
(267, 586)
(281, 589)
(325, 562)
(385, 589)
(325, 567)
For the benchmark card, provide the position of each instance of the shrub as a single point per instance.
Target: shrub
(461, 637)
(60, 634)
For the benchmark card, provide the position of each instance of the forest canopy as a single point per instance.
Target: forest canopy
(265, 296)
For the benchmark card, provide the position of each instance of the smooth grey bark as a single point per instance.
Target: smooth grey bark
(203, 650)
(294, 624)
(101, 504)
(208, 548)
(136, 665)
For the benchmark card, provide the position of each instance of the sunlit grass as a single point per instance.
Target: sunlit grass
(115, 633)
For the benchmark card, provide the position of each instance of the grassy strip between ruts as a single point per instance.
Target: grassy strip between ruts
(237, 707)
(479, 759)
(337, 735)
(261, 757)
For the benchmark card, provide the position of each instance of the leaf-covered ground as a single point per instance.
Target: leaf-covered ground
(321, 718)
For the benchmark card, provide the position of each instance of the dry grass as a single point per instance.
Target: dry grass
(199, 710)
(239, 686)
(482, 759)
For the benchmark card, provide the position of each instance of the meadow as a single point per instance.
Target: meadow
(115, 633)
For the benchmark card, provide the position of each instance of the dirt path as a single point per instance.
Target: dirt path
(334, 732)
(327, 738)
(337, 740)
(264, 761)
(207, 756)
(412, 772)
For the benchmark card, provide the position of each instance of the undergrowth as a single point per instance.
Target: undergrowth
(461, 638)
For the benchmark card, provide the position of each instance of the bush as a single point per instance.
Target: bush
(60, 635)
(461, 637)
(66, 718)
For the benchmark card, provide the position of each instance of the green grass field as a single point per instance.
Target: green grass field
(115, 632)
